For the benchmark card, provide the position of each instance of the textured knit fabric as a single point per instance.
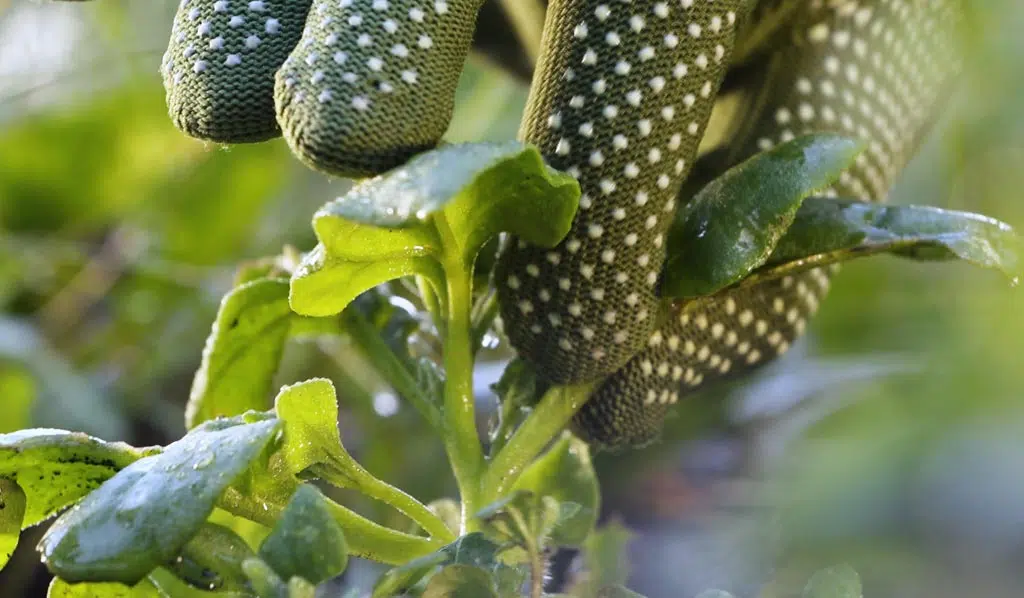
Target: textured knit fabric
(620, 100)
(372, 82)
(875, 70)
(219, 67)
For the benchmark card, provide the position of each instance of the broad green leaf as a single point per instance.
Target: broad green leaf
(442, 206)
(324, 285)
(517, 193)
(732, 225)
(604, 554)
(482, 188)
(566, 473)
(309, 411)
(212, 560)
(12, 512)
(828, 230)
(306, 542)
(56, 468)
(62, 589)
(242, 352)
(472, 549)
(144, 515)
(840, 581)
(460, 581)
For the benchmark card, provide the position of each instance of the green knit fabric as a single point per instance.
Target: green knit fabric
(875, 70)
(620, 100)
(219, 67)
(372, 82)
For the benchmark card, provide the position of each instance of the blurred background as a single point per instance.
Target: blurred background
(891, 438)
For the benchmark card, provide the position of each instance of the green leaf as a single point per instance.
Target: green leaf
(144, 515)
(442, 205)
(324, 285)
(828, 230)
(566, 473)
(311, 441)
(731, 226)
(56, 468)
(306, 542)
(309, 411)
(499, 174)
(12, 512)
(212, 560)
(515, 193)
(242, 352)
(460, 581)
(472, 549)
(62, 589)
(840, 581)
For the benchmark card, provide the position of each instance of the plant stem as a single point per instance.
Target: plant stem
(461, 439)
(549, 418)
(365, 538)
(353, 475)
(373, 541)
(532, 552)
(527, 17)
(390, 366)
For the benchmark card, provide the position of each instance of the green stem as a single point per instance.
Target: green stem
(462, 443)
(352, 475)
(461, 439)
(532, 552)
(388, 365)
(548, 419)
(365, 538)
(373, 541)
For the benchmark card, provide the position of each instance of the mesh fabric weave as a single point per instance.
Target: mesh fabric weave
(875, 70)
(372, 82)
(219, 67)
(620, 100)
